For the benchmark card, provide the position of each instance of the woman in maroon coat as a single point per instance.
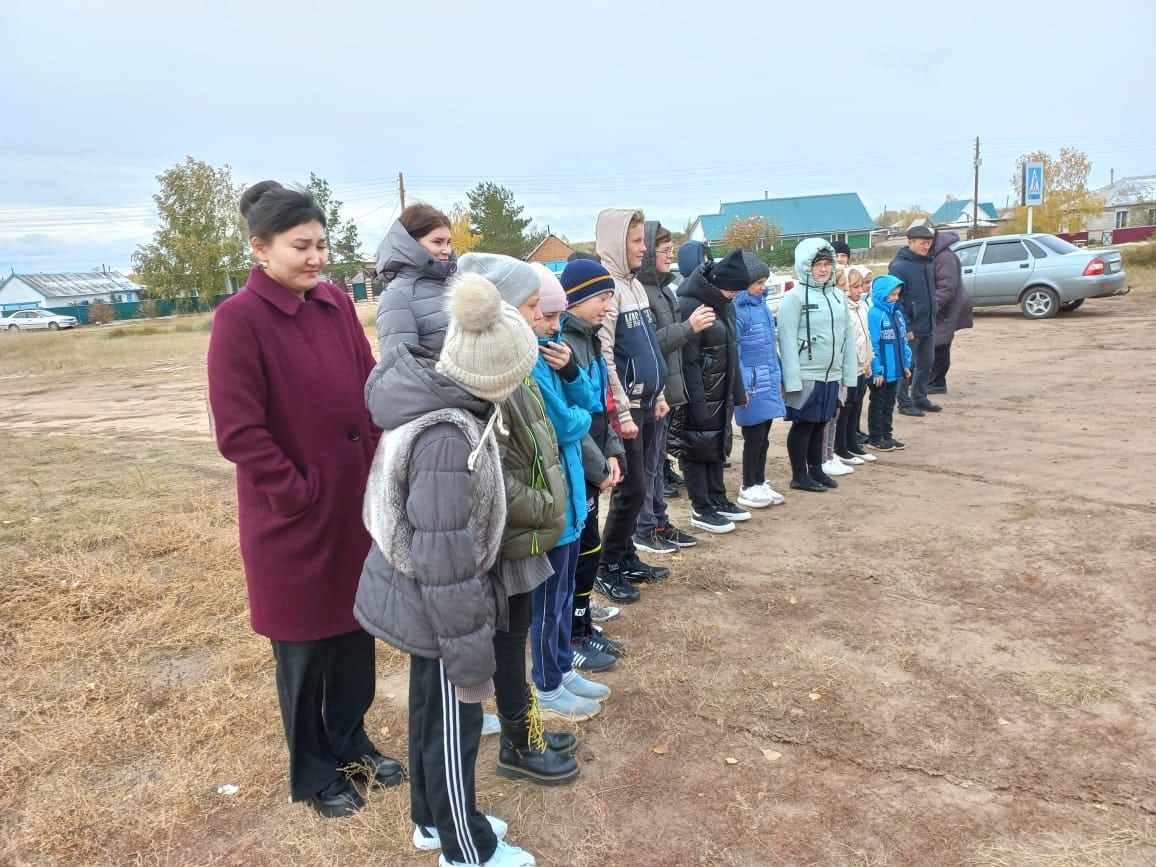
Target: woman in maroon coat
(288, 360)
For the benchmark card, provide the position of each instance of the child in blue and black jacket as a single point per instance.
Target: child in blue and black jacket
(891, 363)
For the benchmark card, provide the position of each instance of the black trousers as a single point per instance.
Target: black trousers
(805, 445)
(881, 411)
(847, 424)
(324, 688)
(914, 391)
(443, 749)
(510, 691)
(940, 366)
(756, 441)
(705, 484)
(589, 556)
(626, 500)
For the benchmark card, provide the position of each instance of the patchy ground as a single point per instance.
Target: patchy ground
(949, 660)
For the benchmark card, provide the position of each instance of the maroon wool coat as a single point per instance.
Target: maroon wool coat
(286, 381)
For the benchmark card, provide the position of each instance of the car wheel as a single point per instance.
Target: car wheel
(1040, 302)
(1071, 305)
(53, 326)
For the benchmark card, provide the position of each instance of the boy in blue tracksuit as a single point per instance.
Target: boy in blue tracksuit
(567, 394)
(892, 360)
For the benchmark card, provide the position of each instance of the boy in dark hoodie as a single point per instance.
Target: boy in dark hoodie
(654, 531)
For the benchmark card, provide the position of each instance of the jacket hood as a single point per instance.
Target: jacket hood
(689, 257)
(805, 253)
(648, 274)
(881, 287)
(942, 241)
(699, 287)
(410, 388)
(610, 241)
(399, 250)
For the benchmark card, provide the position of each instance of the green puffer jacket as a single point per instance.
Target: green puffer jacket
(535, 484)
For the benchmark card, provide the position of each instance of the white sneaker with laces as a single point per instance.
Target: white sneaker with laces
(600, 613)
(426, 838)
(753, 497)
(504, 856)
(836, 467)
(776, 499)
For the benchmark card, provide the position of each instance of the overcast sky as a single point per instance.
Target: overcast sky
(573, 106)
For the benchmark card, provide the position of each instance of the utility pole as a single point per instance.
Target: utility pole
(975, 200)
(401, 189)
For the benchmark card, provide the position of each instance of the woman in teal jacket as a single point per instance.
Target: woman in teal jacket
(817, 354)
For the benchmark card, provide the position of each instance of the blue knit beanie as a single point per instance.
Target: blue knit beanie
(584, 279)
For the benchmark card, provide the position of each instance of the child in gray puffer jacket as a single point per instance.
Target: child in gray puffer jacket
(435, 505)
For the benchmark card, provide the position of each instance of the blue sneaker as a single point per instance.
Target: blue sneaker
(426, 838)
(567, 705)
(583, 688)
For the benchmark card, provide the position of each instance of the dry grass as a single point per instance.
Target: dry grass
(1126, 846)
(1065, 687)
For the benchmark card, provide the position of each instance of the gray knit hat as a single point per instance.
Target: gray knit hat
(489, 348)
(756, 268)
(514, 279)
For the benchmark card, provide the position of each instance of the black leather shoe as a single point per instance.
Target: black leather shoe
(822, 478)
(669, 491)
(937, 389)
(928, 406)
(803, 482)
(914, 411)
(386, 772)
(337, 800)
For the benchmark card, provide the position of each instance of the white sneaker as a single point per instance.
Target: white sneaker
(600, 613)
(836, 467)
(775, 498)
(753, 497)
(504, 856)
(867, 458)
(426, 838)
(491, 725)
(853, 460)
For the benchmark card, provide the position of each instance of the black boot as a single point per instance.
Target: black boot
(671, 476)
(525, 755)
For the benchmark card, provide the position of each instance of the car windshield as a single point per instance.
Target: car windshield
(1056, 245)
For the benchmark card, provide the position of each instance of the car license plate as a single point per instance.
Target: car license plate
(1113, 267)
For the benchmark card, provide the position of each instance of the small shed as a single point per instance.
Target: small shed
(26, 291)
(552, 253)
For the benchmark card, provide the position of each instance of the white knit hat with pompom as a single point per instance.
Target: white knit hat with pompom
(489, 348)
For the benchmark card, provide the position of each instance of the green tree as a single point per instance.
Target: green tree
(344, 258)
(752, 234)
(1068, 202)
(498, 219)
(904, 218)
(201, 241)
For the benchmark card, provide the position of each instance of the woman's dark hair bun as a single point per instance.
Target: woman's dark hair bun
(251, 195)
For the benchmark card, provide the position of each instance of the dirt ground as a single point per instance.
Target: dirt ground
(949, 660)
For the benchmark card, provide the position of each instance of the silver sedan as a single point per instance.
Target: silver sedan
(1043, 274)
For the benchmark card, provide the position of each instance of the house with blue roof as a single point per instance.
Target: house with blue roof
(836, 217)
(958, 213)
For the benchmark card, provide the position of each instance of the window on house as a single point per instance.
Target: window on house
(839, 236)
(1152, 216)
(1121, 219)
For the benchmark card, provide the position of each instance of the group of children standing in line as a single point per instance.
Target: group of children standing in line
(508, 401)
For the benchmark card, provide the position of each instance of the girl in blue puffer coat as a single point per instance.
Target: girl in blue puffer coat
(762, 377)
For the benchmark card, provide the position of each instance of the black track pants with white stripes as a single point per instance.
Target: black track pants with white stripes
(443, 749)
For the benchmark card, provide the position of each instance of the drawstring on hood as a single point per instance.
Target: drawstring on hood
(805, 255)
(488, 431)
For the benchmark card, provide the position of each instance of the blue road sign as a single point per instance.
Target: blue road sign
(1033, 184)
